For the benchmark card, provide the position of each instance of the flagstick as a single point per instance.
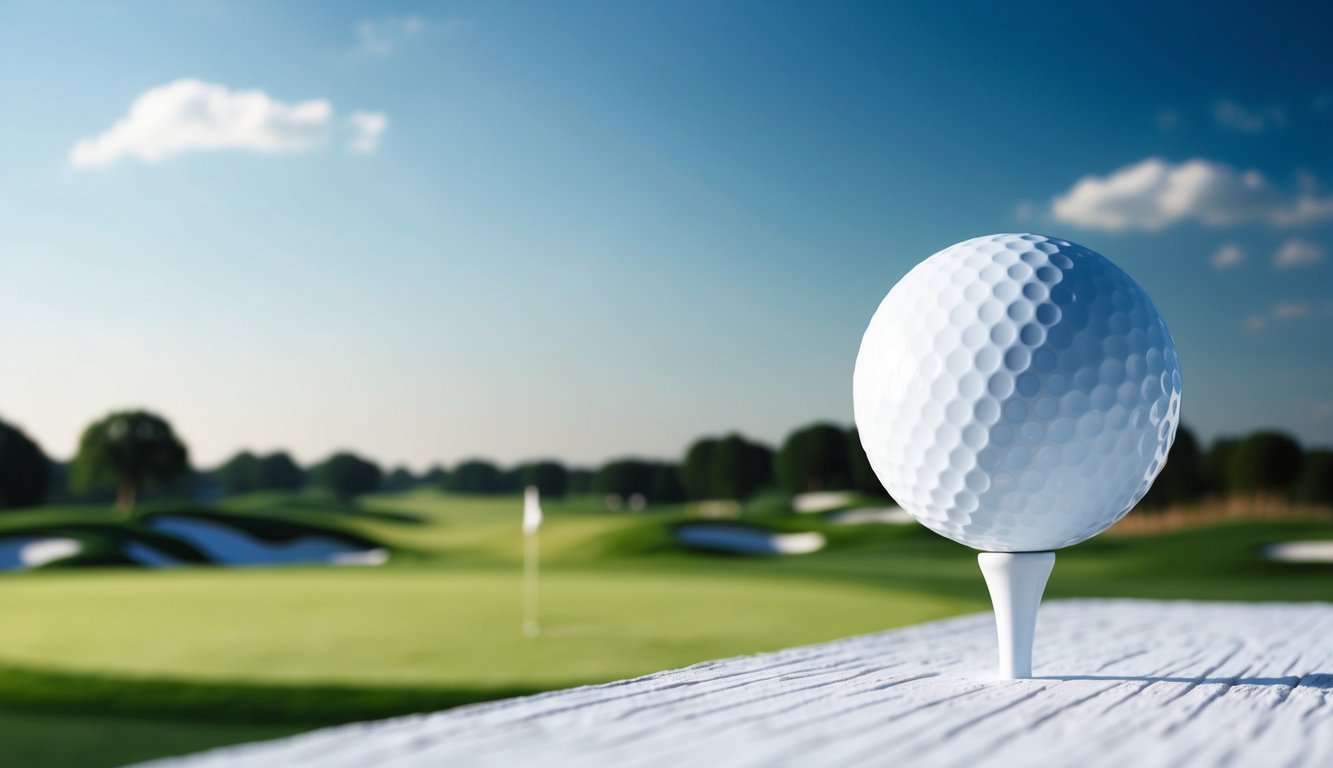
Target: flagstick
(530, 626)
(532, 523)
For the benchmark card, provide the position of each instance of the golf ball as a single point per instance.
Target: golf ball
(1017, 393)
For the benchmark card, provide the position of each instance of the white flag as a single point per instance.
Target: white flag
(532, 509)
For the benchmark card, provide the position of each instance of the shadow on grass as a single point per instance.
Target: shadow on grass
(37, 690)
(384, 516)
(326, 506)
(268, 529)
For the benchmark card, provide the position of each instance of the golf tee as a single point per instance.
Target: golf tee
(1016, 581)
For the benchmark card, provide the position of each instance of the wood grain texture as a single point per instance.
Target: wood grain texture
(1121, 683)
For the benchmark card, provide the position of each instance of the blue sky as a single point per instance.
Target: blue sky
(593, 229)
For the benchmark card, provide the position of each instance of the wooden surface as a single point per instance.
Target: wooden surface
(1122, 683)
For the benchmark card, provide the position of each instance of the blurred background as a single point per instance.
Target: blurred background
(297, 298)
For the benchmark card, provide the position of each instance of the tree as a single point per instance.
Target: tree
(863, 477)
(814, 458)
(279, 472)
(658, 482)
(1216, 466)
(347, 476)
(435, 476)
(239, 474)
(131, 450)
(729, 467)
(760, 458)
(25, 472)
(696, 471)
(475, 476)
(1181, 480)
(198, 484)
(1265, 462)
(550, 477)
(580, 482)
(625, 477)
(1315, 485)
(57, 486)
(246, 473)
(732, 475)
(511, 480)
(665, 487)
(400, 479)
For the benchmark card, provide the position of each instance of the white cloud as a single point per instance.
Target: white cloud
(1228, 256)
(1297, 253)
(367, 128)
(1287, 310)
(1153, 194)
(382, 37)
(1256, 323)
(1304, 208)
(1236, 117)
(1283, 311)
(194, 116)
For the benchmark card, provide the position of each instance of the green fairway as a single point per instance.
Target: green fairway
(186, 658)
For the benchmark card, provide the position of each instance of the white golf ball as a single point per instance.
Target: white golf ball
(1017, 393)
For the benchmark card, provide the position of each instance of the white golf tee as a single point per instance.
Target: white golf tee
(1016, 581)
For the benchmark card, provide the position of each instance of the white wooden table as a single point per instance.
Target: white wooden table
(1122, 683)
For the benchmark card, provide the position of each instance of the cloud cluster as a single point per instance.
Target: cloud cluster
(1153, 194)
(1297, 253)
(367, 128)
(1228, 256)
(1284, 311)
(194, 116)
(1235, 117)
(1291, 254)
(383, 36)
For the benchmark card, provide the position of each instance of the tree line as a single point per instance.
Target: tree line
(128, 453)
(1263, 463)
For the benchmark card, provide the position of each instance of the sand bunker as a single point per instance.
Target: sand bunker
(870, 516)
(1301, 552)
(21, 552)
(821, 501)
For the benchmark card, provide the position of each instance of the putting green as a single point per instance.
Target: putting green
(432, 627)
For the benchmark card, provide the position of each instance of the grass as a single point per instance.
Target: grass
(205, 653)
(33, 740)
(426, 628)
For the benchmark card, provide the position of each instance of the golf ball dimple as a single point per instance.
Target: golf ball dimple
(1017, 393)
